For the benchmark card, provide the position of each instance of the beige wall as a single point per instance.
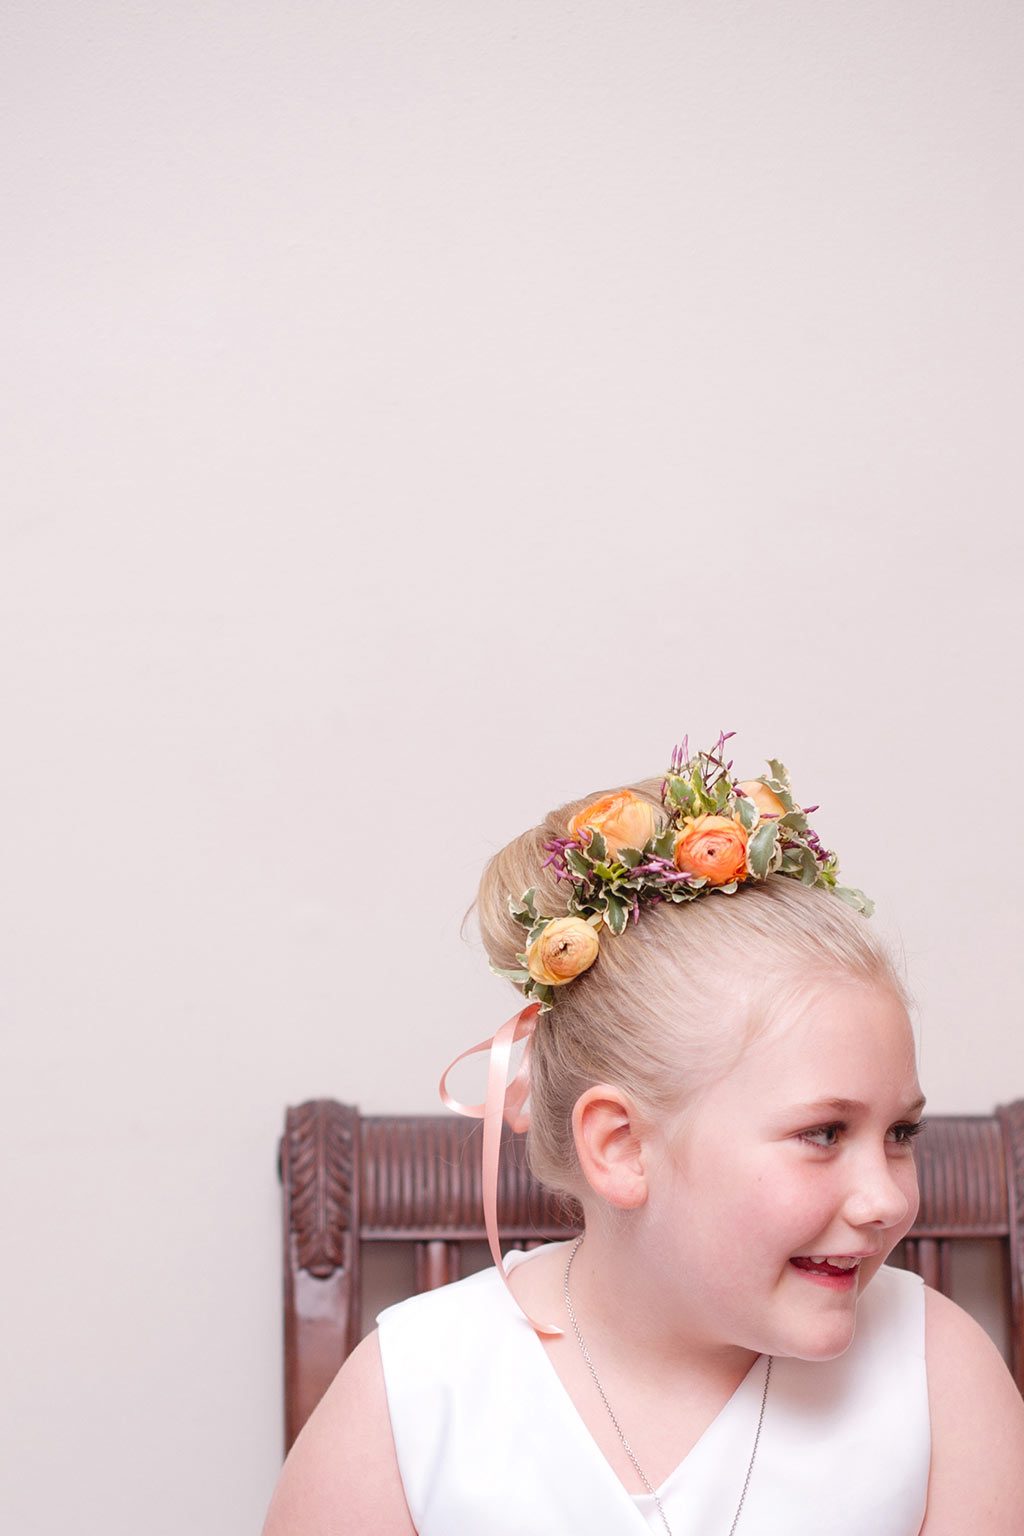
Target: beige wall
(419, 413)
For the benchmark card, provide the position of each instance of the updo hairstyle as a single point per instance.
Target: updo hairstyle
(670, 1004)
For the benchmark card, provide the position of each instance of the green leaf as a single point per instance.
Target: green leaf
(808, 867)
(537, 929)
(631, 857)
(617, 914)
(777, 781)
(855, 899)
(524, 910)
(597, 848)
(576, 862)
(782, 793)
(795, 820)
(607, 872)
(761, 849)
(519, 977)
(664, 845)
(678, 791)
(746, 810)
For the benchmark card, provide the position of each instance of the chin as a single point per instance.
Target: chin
(826, 1342)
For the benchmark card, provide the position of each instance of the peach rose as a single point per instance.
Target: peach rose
(623, 819)
(563, 950)
(712, 846)
(766, 800)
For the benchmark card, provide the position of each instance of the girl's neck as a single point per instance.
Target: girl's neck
(621, 1299)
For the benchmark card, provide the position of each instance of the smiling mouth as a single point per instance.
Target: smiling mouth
(839, 1264)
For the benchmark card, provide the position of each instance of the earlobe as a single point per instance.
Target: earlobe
(610, 1146)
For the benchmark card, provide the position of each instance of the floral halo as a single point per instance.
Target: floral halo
(619, 856)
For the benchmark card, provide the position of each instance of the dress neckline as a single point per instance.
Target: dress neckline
(703, 1447)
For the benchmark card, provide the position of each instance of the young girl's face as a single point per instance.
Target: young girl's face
(801, 1154)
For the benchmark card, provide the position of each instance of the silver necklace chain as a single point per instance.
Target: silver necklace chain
(618, 1427)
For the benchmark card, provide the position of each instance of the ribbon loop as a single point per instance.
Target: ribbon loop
(504, 1101)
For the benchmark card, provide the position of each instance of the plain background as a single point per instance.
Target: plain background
(418, 412)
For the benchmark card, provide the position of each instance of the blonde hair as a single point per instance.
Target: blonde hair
(668, 1006)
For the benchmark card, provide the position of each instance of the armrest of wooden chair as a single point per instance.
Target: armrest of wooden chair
(349, 1180)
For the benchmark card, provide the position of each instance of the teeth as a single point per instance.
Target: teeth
(836, 1263)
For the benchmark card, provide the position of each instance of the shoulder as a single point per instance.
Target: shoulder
(341, 1477)
(977, 1416)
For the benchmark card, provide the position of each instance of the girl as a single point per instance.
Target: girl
(721, 1072)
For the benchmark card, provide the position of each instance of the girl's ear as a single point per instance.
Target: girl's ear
(610, 1146)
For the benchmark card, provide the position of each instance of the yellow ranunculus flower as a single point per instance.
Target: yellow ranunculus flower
(562, 951)
(623, 819)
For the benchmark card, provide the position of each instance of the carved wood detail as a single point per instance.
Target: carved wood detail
(321, 1139)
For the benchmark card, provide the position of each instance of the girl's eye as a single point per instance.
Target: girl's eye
(823, 1135)
(904, 1133)
(828, 1136)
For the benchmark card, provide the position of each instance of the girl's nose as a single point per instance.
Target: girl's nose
(883, 1192)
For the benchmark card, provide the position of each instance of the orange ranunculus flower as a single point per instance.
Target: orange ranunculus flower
(766, 800)
(623, 819)
(712, 846)
(562, 951)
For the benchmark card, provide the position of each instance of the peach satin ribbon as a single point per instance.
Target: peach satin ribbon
(504, 1100)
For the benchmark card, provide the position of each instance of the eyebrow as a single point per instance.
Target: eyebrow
(852, 1107)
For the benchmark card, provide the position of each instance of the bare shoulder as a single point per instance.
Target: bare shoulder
(977, 1473)
(341, 1477)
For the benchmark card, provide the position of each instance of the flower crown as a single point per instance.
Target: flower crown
(715, 834)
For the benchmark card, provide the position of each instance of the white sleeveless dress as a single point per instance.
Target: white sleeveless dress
(489, 1442)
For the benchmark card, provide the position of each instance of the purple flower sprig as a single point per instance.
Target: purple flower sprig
(821, 853)
(662, 870)
(555, 849)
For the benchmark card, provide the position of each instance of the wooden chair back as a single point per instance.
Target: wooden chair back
(350, 1180)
